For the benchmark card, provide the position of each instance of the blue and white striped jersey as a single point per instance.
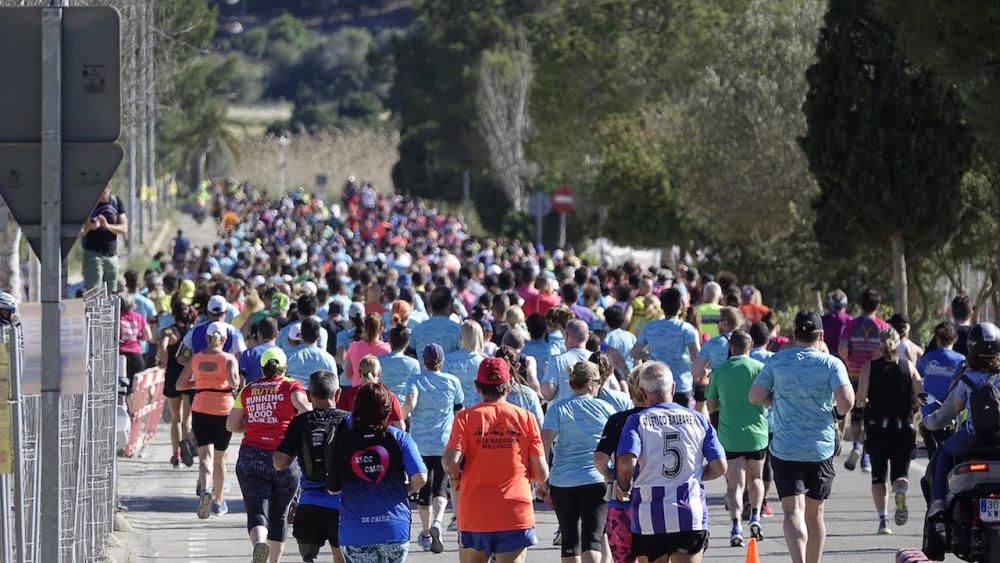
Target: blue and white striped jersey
(672, 445)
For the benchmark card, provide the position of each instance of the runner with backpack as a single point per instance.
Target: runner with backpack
(308, 439)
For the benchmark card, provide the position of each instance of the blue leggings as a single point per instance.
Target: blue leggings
(961, 441)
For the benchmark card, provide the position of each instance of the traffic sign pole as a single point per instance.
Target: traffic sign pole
(562, 230)
(51, 211)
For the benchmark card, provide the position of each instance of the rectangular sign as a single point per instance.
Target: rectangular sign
(73, 333)
(91, 75)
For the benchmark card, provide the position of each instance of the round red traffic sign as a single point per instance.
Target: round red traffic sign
(562, 199)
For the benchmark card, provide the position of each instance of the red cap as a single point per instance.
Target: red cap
(493, 371)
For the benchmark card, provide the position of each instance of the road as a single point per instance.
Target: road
(161, 508)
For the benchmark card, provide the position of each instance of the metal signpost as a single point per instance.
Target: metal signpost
(67, 74)
(539, 205)
(562, 202)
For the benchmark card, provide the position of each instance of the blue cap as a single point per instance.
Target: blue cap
(433, 353)
(405, 280)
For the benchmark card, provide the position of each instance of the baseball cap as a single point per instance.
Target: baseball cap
(217, 304)
(356, 310)
(493, 371)
(217, 328)
(308, 288)
(808, 321)
(405, 280)
(186, 292)
(257, 281)
(433, 353)
(279, 303)
(275, 354)
(838, 298)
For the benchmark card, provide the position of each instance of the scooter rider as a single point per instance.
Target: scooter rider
(983, 365)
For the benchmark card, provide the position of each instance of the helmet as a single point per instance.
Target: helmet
(984, 340)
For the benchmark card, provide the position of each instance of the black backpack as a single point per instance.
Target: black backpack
(317, 439)
(984, 405)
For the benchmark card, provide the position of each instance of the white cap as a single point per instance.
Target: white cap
(217, 304)
(356, 310)
(257, 281)
(295, 333)
(494, 270)
(308, 288)
(217, 328)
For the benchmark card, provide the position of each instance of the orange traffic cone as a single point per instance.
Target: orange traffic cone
(752, 556)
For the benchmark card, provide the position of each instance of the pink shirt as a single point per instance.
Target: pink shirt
(130, 329)
(359, 349)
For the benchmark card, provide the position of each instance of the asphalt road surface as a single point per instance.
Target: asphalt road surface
(161, 507)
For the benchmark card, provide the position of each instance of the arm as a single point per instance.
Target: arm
(417, 482)
(548, 438)
(760, 395)
(161, 351)
(639, 352)
(236, 422)
(234, 373)
(186, 379)
(410, 403)
(120, 228)
(942, 417)
(301, 402)
(863, 382)
(548, 390)
(602, 462)
(843, 396)
(539, 468)
(918, 387)
(714, 469)
(699, 369)
(348, 367)
(625, 467)
(147, 333)
(452, 463)
(842, 349)
(532, 368)
(280, 460)
(713, 404)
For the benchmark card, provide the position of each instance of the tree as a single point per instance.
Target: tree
(885, 142)
(505, 78)
(741, 172)
(960, 42)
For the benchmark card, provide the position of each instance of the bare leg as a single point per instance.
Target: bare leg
(174, 403)
(186, 416)
(592, 556)
(277, 547)
(796, 533)
(682, 558)
(755, 485)
(735, 481)
(425, 518)
(879, 492)
(219, 474)
(817, 530)
(438, 504)
(204, 465)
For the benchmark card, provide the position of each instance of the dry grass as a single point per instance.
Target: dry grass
(365, 153)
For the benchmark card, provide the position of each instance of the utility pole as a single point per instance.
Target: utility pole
(151, 109)
(141, 118)
(51, 457)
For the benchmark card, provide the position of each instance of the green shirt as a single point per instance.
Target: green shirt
(709, 313)
(742, 425)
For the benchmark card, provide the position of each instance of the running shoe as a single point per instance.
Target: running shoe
(175, 461)
(261, 552)
(436, 545)
(220, 508)
(852, 460)
(883, 528)
(453, 525)
(736, 539)
(188, 452)
(902, 512)
(866, 464)
(205, 505)
(765, 510)
(424, 541)
(557, 539)
(755, 530)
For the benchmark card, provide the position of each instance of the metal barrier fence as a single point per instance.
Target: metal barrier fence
(87, 442)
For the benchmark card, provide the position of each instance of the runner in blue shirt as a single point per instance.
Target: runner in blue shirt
(267, 331)
(439, 329)
(673, 342)
(374, 461)
(432, 397)
(714, 353)
(397, 367)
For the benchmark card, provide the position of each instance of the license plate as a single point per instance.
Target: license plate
(989, 509)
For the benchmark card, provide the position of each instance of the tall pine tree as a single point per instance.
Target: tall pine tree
(885, 142)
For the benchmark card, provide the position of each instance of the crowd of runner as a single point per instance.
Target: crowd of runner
(373, 353)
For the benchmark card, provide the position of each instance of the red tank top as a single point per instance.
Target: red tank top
(267, 405)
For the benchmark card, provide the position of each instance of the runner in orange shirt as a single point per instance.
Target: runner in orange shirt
(494, 453)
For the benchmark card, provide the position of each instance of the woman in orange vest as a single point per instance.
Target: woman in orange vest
(214, 376)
